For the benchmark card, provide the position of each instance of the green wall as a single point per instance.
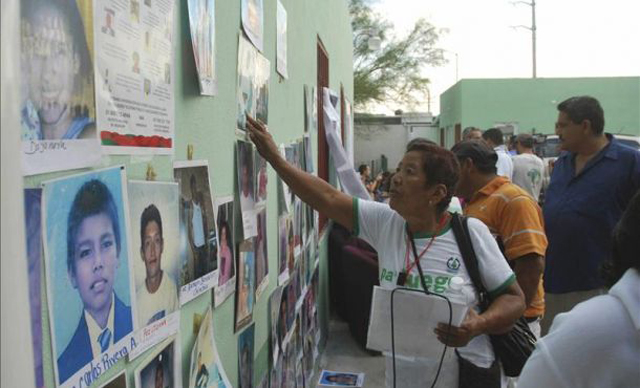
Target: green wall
(532, 102)
(208, 123)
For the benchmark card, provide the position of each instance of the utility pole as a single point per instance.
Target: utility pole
(531, 28)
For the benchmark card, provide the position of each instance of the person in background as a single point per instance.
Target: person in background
(591, 185)
(471, 133)
(370, 184)
(528, 169)
(495, 140)
(511, 215)
(597, 343)
(419, 196)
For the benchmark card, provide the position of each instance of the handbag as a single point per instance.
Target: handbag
(514, 347)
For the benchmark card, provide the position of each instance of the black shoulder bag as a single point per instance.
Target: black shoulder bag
(512, 348)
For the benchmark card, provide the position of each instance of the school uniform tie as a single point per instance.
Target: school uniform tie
(104, 339)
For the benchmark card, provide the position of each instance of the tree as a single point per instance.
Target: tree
(395, 72)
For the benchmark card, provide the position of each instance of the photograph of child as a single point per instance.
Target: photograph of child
(87, 266)
(154, 214)
(197, 222)
(33, 234)
(226, 245)
(245, 358)
(245, 284)
(162, 369)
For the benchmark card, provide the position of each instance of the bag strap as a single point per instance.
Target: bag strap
(460, 227)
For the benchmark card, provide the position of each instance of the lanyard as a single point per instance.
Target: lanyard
(409, 266)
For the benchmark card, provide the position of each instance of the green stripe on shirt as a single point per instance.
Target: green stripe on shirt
(356, 220)
(502, 288)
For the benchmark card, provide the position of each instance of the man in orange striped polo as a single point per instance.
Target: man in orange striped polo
(513, 217)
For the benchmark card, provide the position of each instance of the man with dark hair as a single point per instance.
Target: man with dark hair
(93, 248)
(157, 298)
(591, 185)
(511, 214)
(472, 133)
(56, 67)
(495, 139)
(528, 169)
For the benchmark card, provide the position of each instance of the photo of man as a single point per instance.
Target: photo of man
(107, 28)
(197, 221)
(153, 207)
(93, 244)
(57, 72)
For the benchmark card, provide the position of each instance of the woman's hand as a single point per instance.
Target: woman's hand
(460, 336)
(263, 140)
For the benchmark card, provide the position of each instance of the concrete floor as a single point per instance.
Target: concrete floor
(343, 354)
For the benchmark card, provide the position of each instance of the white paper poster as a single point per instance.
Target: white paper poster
(134, 75)
(350, 181)
(58, 113)
(252, 21)
(202, 24)
(281, 41)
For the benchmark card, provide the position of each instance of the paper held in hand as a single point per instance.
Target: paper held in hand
(415, 317)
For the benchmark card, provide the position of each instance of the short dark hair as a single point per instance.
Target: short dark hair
(362, 168)
(582, 108)
(525, 140)
(440, 167)
(92, 198)
(420, 140)
(482, 156)
(625, 244)
(495, 135)
(150, 213)
(468, 130)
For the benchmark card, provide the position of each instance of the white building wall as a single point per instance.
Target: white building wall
(372, 141)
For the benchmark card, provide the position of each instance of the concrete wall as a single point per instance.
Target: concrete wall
(207, 124)
(531, 103)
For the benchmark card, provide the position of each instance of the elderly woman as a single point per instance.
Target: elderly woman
(419, 195)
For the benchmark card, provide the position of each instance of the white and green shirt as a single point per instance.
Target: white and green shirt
(385, 230)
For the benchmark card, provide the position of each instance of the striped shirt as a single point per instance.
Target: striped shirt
(513, 216)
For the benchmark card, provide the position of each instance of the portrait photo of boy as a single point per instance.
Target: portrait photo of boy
(87, 266)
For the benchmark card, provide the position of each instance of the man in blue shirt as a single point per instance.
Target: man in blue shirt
(591, 185)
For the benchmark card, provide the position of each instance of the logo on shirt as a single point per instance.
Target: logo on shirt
(453, 264)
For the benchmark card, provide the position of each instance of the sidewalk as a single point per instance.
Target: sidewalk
(343, 354)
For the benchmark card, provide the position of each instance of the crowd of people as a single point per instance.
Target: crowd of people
(536, 262)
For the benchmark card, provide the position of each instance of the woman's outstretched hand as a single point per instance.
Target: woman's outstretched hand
(263, 140)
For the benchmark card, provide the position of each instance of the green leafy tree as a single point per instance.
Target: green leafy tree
(395, 72)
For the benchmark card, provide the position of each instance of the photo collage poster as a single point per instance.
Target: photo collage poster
(202, 26)
(253, 84)
(226, 250)
(134, 76)
(206, 369)
(89, 273)
(163, 368)
(281, 40)
(199, 272)
(157, 258)
(58, 112)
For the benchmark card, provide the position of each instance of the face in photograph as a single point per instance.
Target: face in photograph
(57, 72)
(95, 249)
